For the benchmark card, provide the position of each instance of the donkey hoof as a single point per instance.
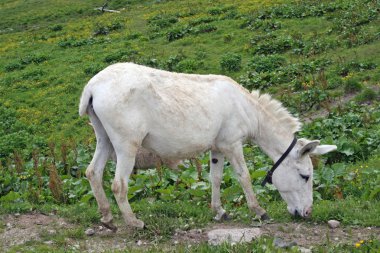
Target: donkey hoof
(110, 226)
(265, 217)
(137, 224)
(225, 217)
(222, 216)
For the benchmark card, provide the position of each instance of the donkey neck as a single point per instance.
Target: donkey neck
(274, 125)
(272, 141)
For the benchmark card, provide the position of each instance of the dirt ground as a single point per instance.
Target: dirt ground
(19, 229)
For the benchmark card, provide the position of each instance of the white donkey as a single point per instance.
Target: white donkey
(178, 116)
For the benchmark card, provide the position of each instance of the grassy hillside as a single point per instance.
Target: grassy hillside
(320, 58)
(306, 54)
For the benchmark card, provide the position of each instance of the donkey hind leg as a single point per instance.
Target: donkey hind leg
(126, 154)
(238, 163)
(95, 170)
(216, 173)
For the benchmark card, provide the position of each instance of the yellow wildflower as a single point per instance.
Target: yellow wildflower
(361, 241)
(357, 245)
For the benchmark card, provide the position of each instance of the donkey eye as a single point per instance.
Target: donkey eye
(305, 177)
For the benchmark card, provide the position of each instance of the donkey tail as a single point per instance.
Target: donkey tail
(85, 101)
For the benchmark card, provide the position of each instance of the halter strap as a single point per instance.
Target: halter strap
(268, 177)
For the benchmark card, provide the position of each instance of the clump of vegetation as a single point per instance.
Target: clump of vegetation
(122, 56)
(73, 42)
(230, 62)
(101, 29)
(161, 21)
(366, 95)
(352, 85)
(180, 32)
(56, 27)
(262, 63)
(25, 61)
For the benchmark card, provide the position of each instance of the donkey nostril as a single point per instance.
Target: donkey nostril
(308, 212)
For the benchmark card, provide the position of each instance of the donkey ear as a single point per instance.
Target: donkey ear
(307, 147)
(323, 149)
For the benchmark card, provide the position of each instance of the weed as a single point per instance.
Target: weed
(73, 42)
(122, 56)
(162, 21)
(366, 95)
(262, 63)
(55, 184)
(230, 62)
(14, 66)
(101, 29)
(352, 85)
(56, 27)
(219, 10)
(93, 69)
(189, 65)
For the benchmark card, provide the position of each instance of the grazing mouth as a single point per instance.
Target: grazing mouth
(307, 213)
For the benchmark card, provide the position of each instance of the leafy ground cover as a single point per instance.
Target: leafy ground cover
(320, 58)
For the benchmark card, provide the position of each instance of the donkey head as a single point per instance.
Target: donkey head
(294, 176)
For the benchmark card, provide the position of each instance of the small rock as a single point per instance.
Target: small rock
(175, 242)
(89, 232)
(17, 215)
(100, 228)
(179, 232)
(9, 226)
(196, 231)
(51, 231)
(336, 238)
(333, 224)
(315, 232)
(304, 250)
(139, 243)
(280, 243)
(233, 235)
(49, 242)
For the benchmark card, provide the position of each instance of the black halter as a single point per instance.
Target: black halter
(268, 177)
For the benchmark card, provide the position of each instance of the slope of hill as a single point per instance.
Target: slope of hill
(305, 54)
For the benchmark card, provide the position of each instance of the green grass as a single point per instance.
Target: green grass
(163, 218)
(46, 93)
(328, 51)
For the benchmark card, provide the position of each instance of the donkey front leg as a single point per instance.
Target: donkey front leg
(125, 162)
(216, 173)
(238, 163)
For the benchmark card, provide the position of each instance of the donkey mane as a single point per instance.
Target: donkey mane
(276, 112)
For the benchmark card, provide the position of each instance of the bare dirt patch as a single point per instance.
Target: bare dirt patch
(19, 229)
(303, 234)
(28, 227)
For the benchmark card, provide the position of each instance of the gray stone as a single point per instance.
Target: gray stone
(52, 231)
(333, 224)
(232, 235)
(89, 232)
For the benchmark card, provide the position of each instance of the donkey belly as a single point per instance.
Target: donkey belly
(180, 143)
